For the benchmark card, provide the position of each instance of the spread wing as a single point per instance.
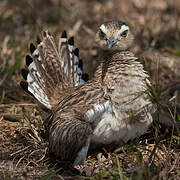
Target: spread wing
(51, 70)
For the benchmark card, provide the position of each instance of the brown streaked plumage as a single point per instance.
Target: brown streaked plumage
(112, 107)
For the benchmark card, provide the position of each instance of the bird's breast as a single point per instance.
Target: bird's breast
(113, 129)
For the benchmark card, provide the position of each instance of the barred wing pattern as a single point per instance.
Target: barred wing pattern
(51, 69)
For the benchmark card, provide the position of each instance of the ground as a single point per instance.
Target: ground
(23, 144)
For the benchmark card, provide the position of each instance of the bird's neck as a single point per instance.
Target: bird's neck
(104, 58)
(105, 54)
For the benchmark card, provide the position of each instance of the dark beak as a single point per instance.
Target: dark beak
(111, 42)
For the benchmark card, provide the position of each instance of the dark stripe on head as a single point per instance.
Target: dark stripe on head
(116, 24)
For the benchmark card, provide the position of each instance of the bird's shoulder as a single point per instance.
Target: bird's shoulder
(81, 99)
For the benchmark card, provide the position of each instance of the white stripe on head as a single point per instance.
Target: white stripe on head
(103, 29)
(123, 28)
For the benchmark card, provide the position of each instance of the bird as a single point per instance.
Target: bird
(79, 113)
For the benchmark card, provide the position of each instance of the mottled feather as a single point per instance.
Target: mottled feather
(113, 107)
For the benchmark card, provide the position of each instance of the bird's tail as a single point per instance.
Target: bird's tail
(51, 69)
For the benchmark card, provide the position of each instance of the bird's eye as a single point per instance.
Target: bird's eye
(101, 34)
(124, 34)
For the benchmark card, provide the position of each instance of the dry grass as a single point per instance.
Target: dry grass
(23, 145)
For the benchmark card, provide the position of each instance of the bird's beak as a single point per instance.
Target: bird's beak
(111, 42)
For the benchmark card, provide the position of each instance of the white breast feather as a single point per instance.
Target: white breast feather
(97, 110)
(112, 128)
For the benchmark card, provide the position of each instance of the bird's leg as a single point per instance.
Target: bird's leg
(81, 156)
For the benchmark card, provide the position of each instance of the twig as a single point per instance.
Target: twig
(42, 156)
(88, 30)
(3, 79)
(11, 117)
(31, 162)
(23, 104)
(2, 96)
(75, 28)
(20, 151)
(174, 164)
(19, 161)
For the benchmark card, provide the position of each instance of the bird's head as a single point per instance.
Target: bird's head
(114, 35)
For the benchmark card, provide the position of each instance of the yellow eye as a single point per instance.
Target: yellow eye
(124, 34)
(101, 34)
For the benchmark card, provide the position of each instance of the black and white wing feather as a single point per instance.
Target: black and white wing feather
(51, 70)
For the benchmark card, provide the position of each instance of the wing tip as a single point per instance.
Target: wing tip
(24, 86)
(38, 40)
(24, 73)
(64, 34)
(32, 48)
(76, 52)
(71, 41)
(80, 64)
(29, 60)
